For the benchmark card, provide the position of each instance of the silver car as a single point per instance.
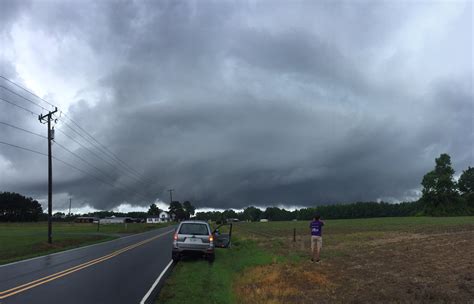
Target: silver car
(193, 237)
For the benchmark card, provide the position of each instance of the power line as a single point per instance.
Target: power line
(83, 146)
(96, 168)
(21, 96)
(120, 161)
(21, 129)
(82, 159)
(23, 148)
(18, 106)
(117, 159)
(98, 156)
(89, 174)
(61, 161)
(26, 90)
(102, 148)
(99, 146)
(25, 109)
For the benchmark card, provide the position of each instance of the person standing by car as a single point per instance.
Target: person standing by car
(316, 227)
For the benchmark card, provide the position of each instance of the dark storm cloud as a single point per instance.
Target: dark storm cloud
(17, 166)
(262, 103)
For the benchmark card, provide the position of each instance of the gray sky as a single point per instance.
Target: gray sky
(233, 103)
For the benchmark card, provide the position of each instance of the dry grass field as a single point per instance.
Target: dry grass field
(379, 260)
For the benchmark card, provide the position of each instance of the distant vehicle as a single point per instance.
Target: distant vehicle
(196, 237)
(264, 220)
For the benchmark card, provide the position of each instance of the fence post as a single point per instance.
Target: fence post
(294, 234)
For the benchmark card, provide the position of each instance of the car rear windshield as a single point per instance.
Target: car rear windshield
(196, 229)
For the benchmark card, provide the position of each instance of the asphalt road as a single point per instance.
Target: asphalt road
(118, 271)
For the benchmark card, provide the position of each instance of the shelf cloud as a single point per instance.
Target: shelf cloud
(237, 103)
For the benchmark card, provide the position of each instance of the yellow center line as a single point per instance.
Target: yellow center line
(12, 291)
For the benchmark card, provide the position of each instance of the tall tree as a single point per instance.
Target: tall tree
(252, 213)
(466, 181)
(176, 209)
(228, 214)
(466, 187)
(439, 188)
(189, 209)
(154, 210)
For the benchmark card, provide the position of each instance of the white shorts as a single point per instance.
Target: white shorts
(316, 241)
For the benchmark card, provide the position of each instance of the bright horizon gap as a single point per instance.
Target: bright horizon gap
(126, 207)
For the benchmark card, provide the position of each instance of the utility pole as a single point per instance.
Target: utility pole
(70, 199)
(47, 119)
(171, 195)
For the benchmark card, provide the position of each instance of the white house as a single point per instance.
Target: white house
(162, 218)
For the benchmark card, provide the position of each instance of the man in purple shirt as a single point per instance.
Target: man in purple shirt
(316, 227)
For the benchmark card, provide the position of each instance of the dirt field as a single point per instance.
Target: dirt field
(389, 260)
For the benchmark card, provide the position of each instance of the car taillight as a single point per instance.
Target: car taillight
(211, 238)
(175, 237)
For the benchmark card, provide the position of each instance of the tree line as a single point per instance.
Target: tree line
(442, 195)
(338, 211)
(15, 207)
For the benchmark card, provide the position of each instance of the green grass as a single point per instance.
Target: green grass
(197, 281)
(20, 241)
(404, 224)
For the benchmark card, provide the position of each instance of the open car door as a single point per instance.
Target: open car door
(222, 239)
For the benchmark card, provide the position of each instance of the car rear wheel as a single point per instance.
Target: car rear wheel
(175, 257)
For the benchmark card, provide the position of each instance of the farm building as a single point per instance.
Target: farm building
(153, 220)
(116, 220)
(162, 218)
(86, 219)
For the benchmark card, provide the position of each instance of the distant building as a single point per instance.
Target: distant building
(153, 220)
(163, 217)
(263, 220)
(117, 220)
(231, 220)
(86, 219)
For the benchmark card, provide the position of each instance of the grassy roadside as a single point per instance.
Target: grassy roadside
(198, 281)
(19, 241)
(365, 260)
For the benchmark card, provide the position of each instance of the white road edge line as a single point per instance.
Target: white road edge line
(79, 248)
(156, 282)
